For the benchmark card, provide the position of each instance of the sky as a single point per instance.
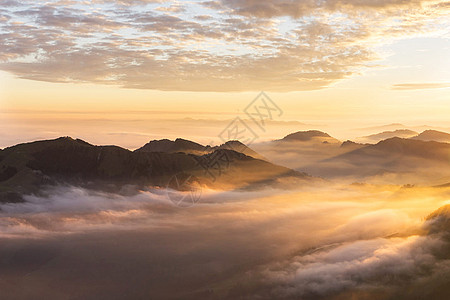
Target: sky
(123, 72)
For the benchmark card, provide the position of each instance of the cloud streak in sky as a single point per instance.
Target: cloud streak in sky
(420, 86)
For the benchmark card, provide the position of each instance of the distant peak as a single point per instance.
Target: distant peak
(431, 131)
(238, 146)
(65, 138)
(235, 146)
(70, 139)
(402, 133)
(234, 142)
(413, 142)
(348, 143)
(305, 135)
(182, 140)
(166, 145)
(405, 131)
(394, 139)
(433, 135)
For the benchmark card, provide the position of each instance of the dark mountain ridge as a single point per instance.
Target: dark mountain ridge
(189, 147)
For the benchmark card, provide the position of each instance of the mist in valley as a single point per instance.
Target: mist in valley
(327, 240)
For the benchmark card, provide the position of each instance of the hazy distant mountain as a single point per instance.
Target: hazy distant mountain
(309, 136)
(24, 168)
(394, 159)
(392, 126)
(179, 145)
(402, 147)
(420, 159)
(401, 133)
(433, 135)
(189, 147)
(350, 145)
(303, 148)
(398, 127)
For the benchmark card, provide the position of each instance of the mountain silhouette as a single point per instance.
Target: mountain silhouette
(189, 147)
(168, 146)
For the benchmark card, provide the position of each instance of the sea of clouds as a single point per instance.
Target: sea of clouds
(322, 242)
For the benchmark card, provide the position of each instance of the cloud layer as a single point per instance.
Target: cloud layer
(368, 264)
(326, 242)
(229, 45)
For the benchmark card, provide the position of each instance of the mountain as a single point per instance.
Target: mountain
(393, 160)
(25, 168)
(433, 135)
(419, 159)
(189, 147)
(350, 145)
(398, 127)
(402, 148)
(302, 148)
(179, 145)
(309, 136)
(439, 221)
(392, 126)
(402, 133)
(240, 147)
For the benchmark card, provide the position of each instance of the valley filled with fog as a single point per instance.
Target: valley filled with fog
(323, 241)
